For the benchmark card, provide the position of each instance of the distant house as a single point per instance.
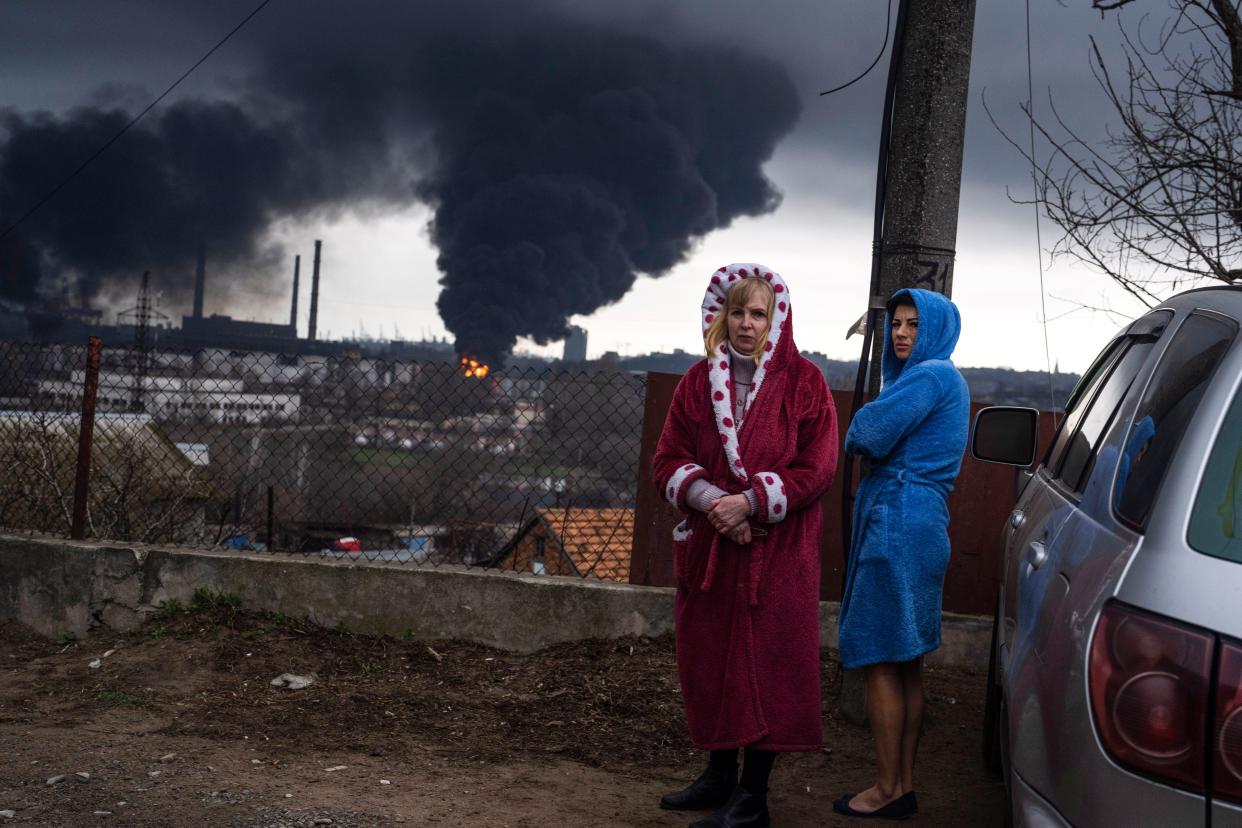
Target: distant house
(577, 541)
(143, 486)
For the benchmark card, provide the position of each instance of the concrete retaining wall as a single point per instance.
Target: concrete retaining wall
(58, 586)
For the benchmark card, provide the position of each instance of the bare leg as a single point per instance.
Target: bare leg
(886, 711)
(912, 691)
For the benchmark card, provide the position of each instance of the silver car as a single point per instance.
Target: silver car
(1115, 694)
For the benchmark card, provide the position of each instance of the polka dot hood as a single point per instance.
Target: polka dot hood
(778, 352)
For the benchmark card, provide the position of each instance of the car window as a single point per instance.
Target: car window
(1094, 375)
(1084, 390)
(1216, 520)
(1164, 413)
(1147, 328)
(1085, 443)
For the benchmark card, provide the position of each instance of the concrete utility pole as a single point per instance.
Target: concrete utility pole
(923, 175)
(924, 171)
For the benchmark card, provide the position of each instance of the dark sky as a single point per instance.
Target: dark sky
(360, 124)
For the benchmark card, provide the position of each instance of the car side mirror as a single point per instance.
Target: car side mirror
(1006, 434)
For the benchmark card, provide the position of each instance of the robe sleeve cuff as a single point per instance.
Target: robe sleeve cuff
(701, 494)
(769, 491)
(678, 485)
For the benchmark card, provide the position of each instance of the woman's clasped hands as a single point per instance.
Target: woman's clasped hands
(730, 515)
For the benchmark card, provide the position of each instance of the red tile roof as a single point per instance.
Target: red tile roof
(598, 541)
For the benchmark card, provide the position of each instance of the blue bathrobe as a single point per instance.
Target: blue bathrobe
(912, 436)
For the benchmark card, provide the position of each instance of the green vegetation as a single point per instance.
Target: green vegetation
(205, 599)
(389, 457)
(118, 698)
(202, 601)
(168, 609)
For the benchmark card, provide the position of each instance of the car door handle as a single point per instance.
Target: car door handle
(1036, 554)
(1018, 519)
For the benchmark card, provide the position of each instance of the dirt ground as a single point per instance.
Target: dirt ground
(179, 725)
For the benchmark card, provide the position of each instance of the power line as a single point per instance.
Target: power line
(879, 55)
(1039, 243)
(133, 121)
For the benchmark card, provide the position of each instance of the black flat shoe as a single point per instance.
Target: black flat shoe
(743, 810)
(903, 807)
(710, 790)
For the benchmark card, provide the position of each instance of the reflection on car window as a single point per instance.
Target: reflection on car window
(1084, 390)
(1216, 521)
(1079, 456)
(1086, 386)
(1146, 329)
(1165, 411)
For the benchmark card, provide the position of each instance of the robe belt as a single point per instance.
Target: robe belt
(906, 476)
(757, 548)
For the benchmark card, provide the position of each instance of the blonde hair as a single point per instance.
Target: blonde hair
(737, 297)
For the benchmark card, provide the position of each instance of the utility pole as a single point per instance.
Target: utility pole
(921, 181)
(924, 168)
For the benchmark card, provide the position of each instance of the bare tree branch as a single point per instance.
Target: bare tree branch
(1156, 204)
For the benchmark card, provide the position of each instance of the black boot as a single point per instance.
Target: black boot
(710, 790)
(743, 810)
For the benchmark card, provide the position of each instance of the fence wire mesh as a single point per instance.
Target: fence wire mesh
(526, 469)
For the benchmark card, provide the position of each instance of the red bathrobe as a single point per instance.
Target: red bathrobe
(747, 617)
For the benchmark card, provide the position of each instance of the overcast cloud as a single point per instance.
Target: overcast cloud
(380, 263)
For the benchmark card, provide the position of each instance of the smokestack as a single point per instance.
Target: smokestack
(293, 312)
(200, 279)
(314, 312)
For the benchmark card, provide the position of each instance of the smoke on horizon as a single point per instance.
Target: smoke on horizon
(560, 158)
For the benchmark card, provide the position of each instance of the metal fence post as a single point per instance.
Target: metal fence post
(271, 507)
(86, 433)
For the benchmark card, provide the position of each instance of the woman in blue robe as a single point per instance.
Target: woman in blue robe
(911, 439)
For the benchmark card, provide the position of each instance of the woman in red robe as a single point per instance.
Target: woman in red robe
(747, 451)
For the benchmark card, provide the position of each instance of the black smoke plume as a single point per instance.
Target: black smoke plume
(561, 158)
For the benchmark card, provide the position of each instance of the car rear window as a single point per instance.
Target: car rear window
(1216, 520)
(1168, 404)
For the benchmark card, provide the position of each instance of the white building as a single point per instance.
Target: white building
(214, 399)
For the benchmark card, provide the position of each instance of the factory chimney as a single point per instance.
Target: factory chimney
(293, 311)
(200, 279)
(314, 309)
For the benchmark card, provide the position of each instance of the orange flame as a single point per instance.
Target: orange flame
(474, 368)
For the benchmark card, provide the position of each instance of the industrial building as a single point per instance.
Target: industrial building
(59, 322)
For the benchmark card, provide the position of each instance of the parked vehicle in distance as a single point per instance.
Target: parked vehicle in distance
(1115, 691)
(347, 544)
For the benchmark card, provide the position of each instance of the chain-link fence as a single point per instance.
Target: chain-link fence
(529, 469)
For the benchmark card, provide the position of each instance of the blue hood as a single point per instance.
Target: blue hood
(939, 326)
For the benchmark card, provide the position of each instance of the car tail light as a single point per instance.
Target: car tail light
(1149, 694)
(1227, 752)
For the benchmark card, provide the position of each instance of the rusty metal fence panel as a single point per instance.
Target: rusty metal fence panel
(527, 469)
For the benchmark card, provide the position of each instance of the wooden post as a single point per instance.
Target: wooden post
(86, 434)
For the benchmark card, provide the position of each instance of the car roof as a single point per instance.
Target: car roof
(1225, 299)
